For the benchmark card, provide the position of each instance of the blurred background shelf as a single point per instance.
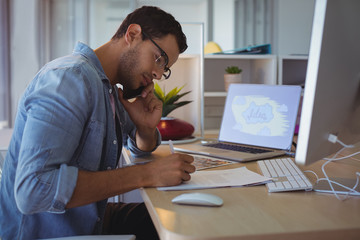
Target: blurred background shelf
(260, 69)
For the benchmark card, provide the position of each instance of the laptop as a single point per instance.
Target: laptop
(256, 116)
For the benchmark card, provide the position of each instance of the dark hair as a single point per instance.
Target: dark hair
(156, 23)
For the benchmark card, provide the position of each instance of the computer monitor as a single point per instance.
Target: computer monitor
(331, 101)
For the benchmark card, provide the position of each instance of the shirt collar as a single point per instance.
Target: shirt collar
(87, 52)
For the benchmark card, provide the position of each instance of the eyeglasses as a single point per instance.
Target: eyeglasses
(162, 61)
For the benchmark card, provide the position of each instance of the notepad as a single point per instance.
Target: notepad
(220, 178)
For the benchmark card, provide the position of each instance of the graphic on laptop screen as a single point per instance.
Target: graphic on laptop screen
(261, 115)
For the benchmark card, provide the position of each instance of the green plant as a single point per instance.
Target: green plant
(169, 99)
(233, 70)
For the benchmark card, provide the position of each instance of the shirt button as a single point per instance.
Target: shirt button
(114, 142)
(98, 219)
(110, 90)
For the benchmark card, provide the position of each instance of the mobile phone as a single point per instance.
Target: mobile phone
(132, 93)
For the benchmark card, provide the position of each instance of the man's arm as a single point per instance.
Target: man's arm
(96, 186)
(146, 141)
(145, 112)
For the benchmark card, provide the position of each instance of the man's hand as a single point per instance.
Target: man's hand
(169, 171)
(145, 111)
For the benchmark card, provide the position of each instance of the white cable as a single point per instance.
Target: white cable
(343, 186)
(317, 177)
(330, 182)
(342, 158)
(334, 139)
(344, 145)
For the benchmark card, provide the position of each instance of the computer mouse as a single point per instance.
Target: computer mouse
(198, 199)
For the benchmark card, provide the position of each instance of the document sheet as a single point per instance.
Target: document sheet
(220, 178)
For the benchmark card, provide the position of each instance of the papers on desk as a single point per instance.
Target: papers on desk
(220, 178)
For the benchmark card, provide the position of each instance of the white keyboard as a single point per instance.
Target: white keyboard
(285, 174)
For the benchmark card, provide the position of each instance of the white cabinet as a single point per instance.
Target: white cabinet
(292, 69)
(264, 69)
(186, 73)
(256, 69)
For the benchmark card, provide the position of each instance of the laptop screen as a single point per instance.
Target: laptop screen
(260, 115)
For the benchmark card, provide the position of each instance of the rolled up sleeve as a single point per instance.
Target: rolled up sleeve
(37, 193)
(55, 118)
(135, 151)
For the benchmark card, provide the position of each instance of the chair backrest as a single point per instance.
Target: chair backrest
(97, 237)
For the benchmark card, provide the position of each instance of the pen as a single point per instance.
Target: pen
(171, 147)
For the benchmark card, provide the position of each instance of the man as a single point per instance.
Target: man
(70, 128)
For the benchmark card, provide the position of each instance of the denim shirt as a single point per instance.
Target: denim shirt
(64, 123)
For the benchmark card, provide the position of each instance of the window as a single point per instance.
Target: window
(4, 65)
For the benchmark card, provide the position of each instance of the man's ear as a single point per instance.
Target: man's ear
(133, 33)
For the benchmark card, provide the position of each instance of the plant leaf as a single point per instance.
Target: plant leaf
(175, 98)
(171, 107)
(159, 93)
(172, 93)
(170, 98)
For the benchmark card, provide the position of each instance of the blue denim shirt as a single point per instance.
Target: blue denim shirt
(64, 123)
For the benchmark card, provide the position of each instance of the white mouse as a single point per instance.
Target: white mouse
(199, 199)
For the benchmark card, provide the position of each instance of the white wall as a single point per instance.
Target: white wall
(294, 23)
(292, 30)
(107, 17)
(223, 19)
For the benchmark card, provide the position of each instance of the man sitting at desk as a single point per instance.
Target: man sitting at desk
(71, 124)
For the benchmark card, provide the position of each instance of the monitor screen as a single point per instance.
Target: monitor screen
(331, 101)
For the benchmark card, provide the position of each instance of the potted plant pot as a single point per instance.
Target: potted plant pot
(174, 129)
(231, 78)
(232, 75)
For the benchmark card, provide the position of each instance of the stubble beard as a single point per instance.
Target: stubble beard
(127, 72)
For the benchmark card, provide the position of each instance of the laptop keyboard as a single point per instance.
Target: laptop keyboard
(237, 148)
(285, 174)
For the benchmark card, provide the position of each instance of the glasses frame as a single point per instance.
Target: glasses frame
(167, 71)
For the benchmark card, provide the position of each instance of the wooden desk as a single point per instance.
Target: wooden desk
(253, 213)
